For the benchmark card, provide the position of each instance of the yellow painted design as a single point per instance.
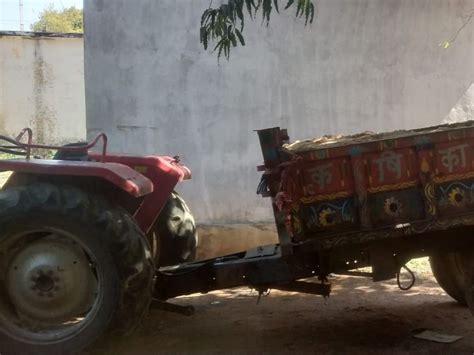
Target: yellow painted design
(430, 198)
(447, 178)
(425, 166)
(328, 197)
(296, 225)
(402, 185)
(323, 217)
(296, 207)
(456, 197)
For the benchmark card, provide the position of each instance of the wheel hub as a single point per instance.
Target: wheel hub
(44, 283)
(51, 280)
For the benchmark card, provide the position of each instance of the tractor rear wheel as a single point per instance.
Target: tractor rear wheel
(72, 268)
(175, 234)
(449, 271)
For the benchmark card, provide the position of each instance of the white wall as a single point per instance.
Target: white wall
(363, 65)
(42, 86)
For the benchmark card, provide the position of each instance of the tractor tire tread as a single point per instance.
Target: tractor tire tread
(122, 237)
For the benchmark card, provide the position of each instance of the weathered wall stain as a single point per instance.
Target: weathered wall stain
(42, 86)
(44, 120)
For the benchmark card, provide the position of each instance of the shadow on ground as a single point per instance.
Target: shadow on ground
(360, 317)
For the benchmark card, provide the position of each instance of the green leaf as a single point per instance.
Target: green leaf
(220, 52)
(275, 3)
(204, 37)
(219, 44)
(290, 2)
(225, 23)
(240, 37)
(307, 12)
(233, 39)
(298, 8)
(205, 16)
(250, 6)
(240, 13)
(266, 10)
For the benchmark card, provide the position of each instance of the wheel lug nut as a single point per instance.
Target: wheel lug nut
(41, 294)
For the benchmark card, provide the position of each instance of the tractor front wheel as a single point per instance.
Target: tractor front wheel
(72, 268)
(174, 233)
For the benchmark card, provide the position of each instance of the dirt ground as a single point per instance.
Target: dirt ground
(359, 317)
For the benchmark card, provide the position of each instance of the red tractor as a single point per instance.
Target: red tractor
(85, 239)
(81, 236)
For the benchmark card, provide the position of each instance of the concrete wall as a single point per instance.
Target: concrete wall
(42, 86)
(363, 65)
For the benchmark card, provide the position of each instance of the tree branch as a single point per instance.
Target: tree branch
(224, 25)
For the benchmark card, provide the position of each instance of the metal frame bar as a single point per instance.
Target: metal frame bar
(29, 145)
(267, 267)
(261, 268)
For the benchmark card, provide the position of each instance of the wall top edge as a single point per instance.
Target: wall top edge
(39, 34)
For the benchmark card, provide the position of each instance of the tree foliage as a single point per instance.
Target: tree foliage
(67, 20)
(225, 24)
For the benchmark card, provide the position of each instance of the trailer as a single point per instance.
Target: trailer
(80, 234)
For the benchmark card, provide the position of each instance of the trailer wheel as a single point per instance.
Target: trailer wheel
(449, 271)
(72, 268)
(469, 279)
(175, 233)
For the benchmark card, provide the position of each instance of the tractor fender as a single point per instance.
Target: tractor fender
(121, 176)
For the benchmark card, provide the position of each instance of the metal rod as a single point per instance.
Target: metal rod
(22, 26)
(171, 307)
(356, 273)
(28, 146)
(313, 288)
